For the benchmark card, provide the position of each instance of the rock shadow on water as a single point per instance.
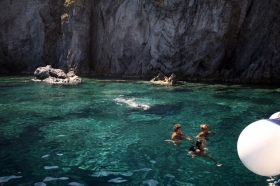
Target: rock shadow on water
(152, 115)
(86, 112)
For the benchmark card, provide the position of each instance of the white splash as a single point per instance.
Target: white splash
(132, 103)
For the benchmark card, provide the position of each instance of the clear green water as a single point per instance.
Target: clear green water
(87, 135)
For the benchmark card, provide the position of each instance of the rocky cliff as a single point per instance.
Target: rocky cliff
(226, 40)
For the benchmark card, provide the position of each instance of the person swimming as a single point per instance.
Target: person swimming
(198, 150)
(133, 104)
(178, 135)
(137, 105)
(205, 132)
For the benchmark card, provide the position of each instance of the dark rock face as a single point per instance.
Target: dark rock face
(29, 31)
(42, 73)
(256, 56)
(226, 40)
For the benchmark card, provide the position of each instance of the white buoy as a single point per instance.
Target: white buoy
(275, 116)
(258, 147)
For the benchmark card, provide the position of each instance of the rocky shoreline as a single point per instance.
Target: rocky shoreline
(51, 75)
(218, 40)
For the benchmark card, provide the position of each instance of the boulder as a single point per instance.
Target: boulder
(58, 73)
(71, 73)
(55, 76)
(164, 80)
(42, 73)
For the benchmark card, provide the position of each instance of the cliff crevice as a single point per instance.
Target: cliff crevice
(224, 40)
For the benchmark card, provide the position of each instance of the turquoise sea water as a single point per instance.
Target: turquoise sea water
(88, 135)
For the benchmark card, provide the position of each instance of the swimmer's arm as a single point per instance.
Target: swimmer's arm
(199, 135)
(145, 106)
(173, 136)
(175, 142)
(212, 133)
(189, 138)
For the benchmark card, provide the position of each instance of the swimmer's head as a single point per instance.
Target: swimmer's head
(146, 107)
(177, 127)
(204, 126)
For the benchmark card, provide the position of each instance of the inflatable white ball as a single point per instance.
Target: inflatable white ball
(275, 116)
(258, 147)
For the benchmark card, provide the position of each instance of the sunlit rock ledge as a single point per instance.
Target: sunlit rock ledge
(161, 79)
(55, 76)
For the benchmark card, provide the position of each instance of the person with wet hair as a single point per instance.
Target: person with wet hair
(205, 132)
(178, 135)
(199, 150)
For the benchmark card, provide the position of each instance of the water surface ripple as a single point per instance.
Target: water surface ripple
(107, 132)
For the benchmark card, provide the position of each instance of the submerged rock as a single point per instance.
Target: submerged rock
(164, 80)
(55, 76)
